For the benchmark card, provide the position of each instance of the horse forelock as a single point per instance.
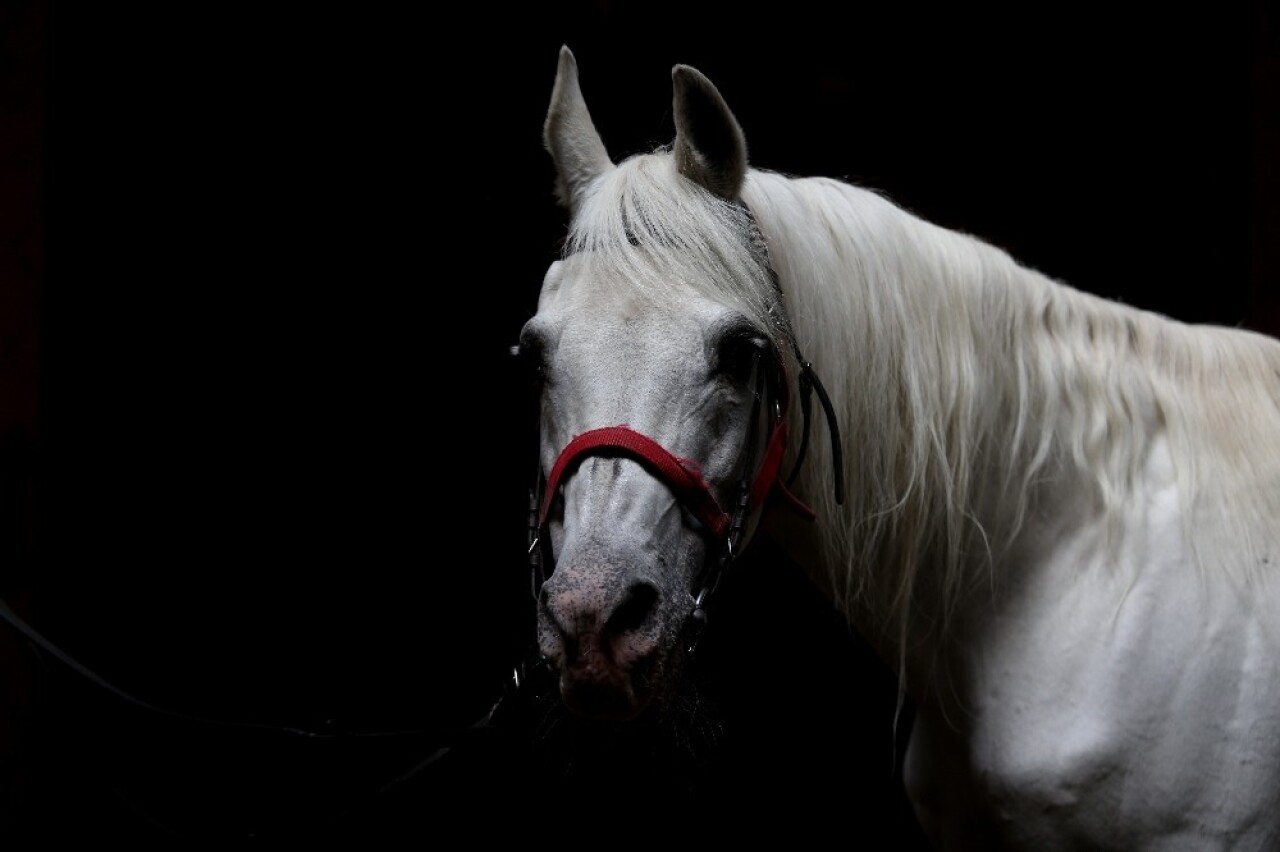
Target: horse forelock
(965, 381)
(644, 226)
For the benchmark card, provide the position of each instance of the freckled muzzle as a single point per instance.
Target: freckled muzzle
(605, 626)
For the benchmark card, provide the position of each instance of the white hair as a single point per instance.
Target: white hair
(646, 226)
(963, 382)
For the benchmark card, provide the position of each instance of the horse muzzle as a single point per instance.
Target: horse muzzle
(613, 636)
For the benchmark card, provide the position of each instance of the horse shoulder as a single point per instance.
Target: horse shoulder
(1125, 701)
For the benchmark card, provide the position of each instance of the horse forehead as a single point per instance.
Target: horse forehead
(581, 293)
(647, 326)
(632, 330)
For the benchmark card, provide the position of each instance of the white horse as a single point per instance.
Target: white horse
(1061, 524)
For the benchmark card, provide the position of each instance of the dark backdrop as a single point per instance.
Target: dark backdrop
(265, 455)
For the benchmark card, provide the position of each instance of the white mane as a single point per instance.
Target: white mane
(657, 229)
(963, 381)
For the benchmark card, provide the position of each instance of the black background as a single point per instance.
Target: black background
(265, 455)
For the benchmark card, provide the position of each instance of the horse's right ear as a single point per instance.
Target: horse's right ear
(570, 136)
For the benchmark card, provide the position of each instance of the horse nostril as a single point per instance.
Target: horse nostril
(634, 608)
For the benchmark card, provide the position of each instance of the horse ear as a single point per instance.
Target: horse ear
(710, 147)
(570, 136)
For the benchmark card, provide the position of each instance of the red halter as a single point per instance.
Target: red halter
(682, 476)
(684, 479)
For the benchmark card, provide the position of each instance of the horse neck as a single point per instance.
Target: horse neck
(916, 332)
(976, 396)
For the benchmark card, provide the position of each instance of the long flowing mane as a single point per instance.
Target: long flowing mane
(965, 381)
(972, 380)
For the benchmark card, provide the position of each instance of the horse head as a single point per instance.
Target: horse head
(663, 352)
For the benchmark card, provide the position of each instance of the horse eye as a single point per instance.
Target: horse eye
(737, 355)
(532, 356)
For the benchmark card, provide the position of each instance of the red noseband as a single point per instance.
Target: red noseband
(682, 476)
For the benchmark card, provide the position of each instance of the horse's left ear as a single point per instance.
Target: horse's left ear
(710, 148)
